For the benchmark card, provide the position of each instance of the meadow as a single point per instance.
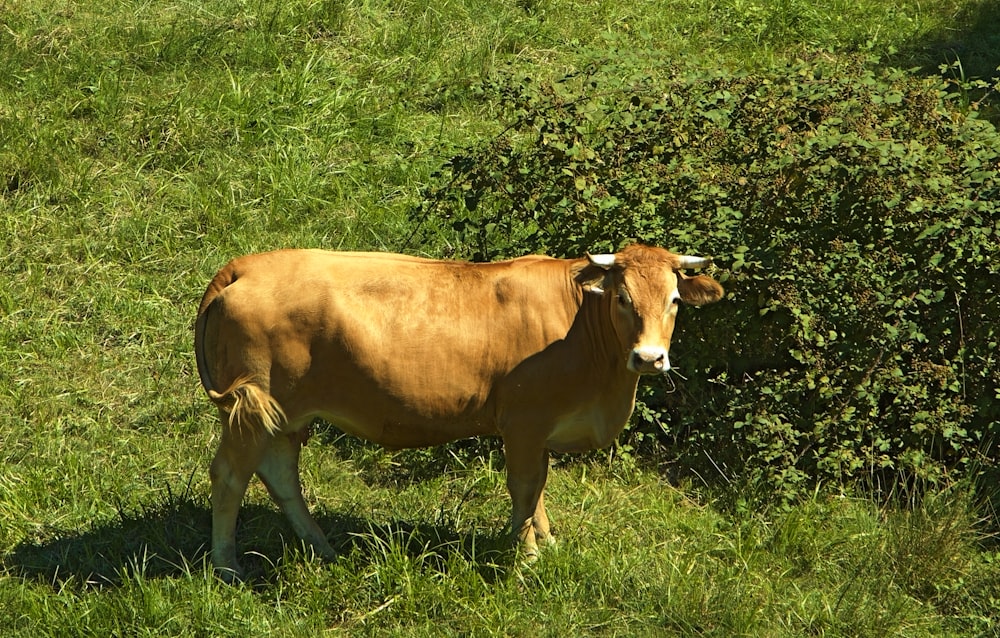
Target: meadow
(143, 144)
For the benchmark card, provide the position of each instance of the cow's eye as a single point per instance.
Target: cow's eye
(623, 299)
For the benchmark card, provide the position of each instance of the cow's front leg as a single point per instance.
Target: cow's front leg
(543, 531)
(527, 469)
(279, 470)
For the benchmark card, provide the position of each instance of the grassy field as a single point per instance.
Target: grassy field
(143, 144)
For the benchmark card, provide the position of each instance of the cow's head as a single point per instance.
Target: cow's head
(642, 288)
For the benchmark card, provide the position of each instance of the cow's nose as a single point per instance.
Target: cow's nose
(649, 360)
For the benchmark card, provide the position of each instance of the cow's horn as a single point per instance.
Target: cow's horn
(688, 261)
(604, 261)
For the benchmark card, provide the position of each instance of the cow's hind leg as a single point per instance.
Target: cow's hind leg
(234, 463)
(527, 469)
(279, 470)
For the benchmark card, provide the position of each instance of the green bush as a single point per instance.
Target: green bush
(853, 212)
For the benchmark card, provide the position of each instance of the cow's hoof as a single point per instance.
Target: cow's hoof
(324, 551)
(229, 575)
(529, 556)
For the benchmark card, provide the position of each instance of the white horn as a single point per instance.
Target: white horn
(688, 261)
(604, 261)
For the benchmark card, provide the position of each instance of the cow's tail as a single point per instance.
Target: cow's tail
(248, 405)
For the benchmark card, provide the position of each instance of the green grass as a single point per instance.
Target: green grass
(144, 144)
(636, 556)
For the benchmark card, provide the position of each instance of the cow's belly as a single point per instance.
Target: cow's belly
(400, 423)
(389, 403)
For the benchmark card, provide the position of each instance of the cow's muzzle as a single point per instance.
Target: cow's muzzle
(649, 360)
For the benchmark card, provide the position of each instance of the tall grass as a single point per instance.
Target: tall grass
(143, 144)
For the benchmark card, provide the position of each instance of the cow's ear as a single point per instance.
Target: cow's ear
(592, 278)
(699, 290)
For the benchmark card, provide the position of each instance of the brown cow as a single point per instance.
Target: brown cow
(407, 352)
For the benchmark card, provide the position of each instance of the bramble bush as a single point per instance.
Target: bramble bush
(853, 214)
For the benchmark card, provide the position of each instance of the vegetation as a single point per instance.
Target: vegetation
(854, 212)
(142, 145)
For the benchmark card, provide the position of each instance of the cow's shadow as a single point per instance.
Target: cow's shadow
(170, 539)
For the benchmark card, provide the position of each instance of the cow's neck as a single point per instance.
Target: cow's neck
(595, 335)
(605, 387)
